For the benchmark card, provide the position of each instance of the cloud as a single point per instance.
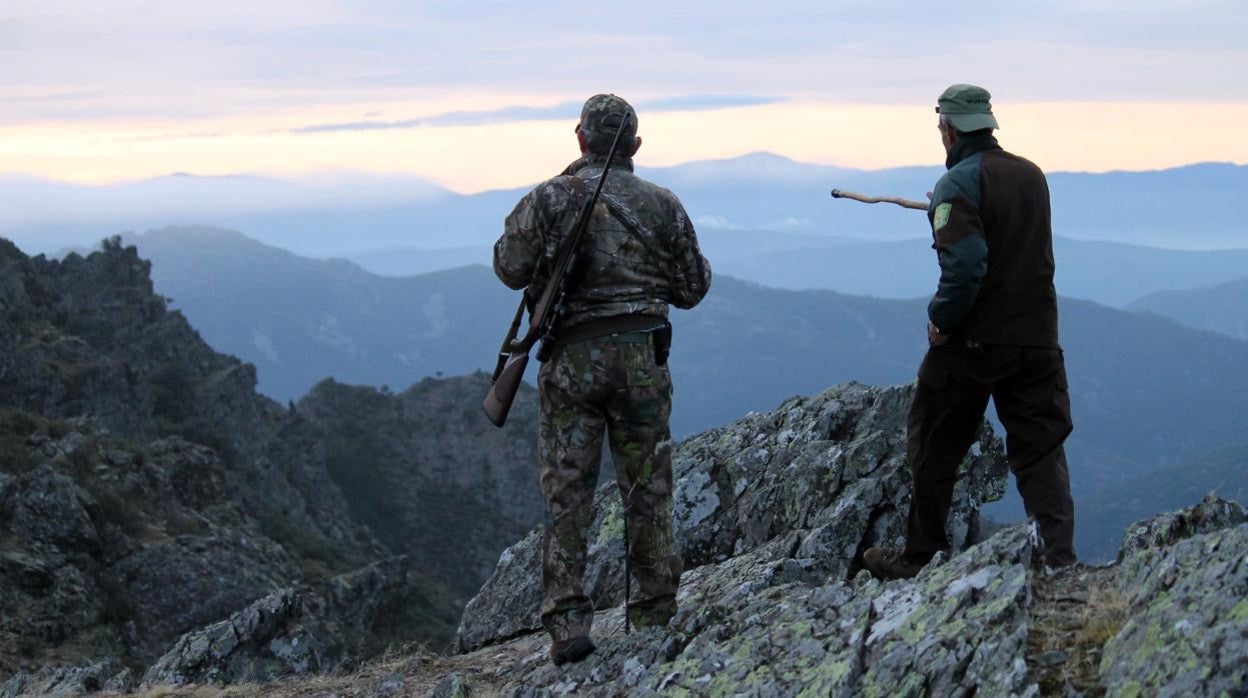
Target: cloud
(184, 136)
(562, 110)
(702, 102)
(235, 59)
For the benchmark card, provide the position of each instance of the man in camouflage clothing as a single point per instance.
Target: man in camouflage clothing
(608, 371)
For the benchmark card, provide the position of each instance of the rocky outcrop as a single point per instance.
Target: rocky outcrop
(261, 642)
(428, 474)
(758, 623)
(69, 681)
(1166, 529)
(801, 491)
(309, 630)
(147, 490)
(1186, 591)
(88, 337)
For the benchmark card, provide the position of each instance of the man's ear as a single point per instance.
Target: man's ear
(636, 145)
(580, 140)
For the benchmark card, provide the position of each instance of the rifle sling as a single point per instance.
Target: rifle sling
(541, 304)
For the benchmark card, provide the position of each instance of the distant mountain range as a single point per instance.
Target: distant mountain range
(1193, 207)
(1147, 391)
(1221, 308)
(1110, 273)
(1224, 470)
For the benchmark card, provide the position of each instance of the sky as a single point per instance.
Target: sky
(484, 94)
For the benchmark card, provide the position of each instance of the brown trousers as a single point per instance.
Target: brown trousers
(1028, 386)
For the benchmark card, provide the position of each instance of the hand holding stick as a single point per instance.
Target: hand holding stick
(904, 203)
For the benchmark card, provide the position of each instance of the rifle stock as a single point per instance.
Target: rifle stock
(503, 390)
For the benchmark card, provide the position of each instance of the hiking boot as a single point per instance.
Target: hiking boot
(888, 563)
(574, 650)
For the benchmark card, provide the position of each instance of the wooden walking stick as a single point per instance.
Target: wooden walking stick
(904, 203)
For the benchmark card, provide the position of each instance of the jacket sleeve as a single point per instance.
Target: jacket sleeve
(690, 277)
(517, 252)
(962, 250)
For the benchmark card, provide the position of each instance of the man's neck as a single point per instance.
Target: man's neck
(596, 160)
(968, 145)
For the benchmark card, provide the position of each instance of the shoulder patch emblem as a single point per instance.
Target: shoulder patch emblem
(941, 217)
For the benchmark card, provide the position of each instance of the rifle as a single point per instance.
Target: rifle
(513, 356)
(904, 203)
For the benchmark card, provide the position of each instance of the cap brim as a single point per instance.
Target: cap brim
(972, 122)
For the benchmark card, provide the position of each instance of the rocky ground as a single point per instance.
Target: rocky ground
(1167, 619)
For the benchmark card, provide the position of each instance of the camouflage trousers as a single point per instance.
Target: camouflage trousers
(588, 387)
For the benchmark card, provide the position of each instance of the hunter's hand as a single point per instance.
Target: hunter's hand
(934, 337)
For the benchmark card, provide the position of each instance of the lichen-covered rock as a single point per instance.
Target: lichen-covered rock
(1211, 514)
(827, 475)
(959, 628)
(452, 686)
(293, 632)
(68, 681)
(1187, 621)
(258, 643)
(758, 625)
(48, 508)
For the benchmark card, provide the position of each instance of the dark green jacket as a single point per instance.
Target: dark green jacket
(993, 236)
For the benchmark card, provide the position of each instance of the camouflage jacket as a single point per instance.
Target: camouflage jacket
(643, 253)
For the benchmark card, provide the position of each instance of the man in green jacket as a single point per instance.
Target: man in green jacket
(992, 330)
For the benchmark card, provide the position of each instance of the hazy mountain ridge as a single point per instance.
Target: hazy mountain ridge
(301, 320)
(1221, 308)
(758, 191)
(1224, 471)
(1147, 391)
(1109, 273)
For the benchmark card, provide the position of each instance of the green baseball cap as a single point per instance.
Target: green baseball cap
(603, 114)
(968, 107)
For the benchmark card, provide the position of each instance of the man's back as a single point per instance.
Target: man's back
(1016, 303)
(640, 249)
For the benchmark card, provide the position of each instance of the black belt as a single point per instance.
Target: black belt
(639, 325)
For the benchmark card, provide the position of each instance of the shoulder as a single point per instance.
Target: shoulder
(1020, 163)
(962, 180)
(654, 196)
(555, 193)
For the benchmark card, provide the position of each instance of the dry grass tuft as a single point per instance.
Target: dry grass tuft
(1074, 613)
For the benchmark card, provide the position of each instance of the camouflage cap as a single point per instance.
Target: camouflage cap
(603, 114)
(968, 107)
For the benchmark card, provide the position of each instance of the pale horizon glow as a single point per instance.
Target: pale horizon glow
(476, 96)
(1063, 136)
